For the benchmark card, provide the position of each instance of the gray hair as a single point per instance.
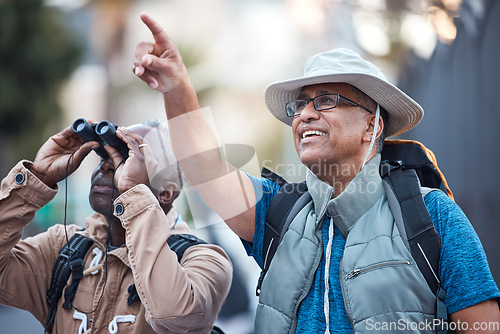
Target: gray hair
(385, 119)
(168, 174)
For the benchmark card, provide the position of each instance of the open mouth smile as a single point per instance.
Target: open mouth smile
(312, 133)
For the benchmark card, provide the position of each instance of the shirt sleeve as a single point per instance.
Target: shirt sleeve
(264, 192)
(464, 270)
(183, 297)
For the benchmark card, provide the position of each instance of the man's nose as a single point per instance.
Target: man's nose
(107, 165)
(309, 112)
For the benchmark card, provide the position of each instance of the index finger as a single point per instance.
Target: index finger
(159, 35)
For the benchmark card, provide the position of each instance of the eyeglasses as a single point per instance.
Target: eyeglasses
(320, 103)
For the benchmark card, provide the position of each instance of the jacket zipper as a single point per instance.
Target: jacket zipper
(343, 295)
(357, 272)
(316, 265)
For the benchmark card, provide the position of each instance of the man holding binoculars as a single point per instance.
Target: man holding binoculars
(130, 279)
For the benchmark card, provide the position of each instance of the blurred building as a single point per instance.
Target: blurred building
(458, 89)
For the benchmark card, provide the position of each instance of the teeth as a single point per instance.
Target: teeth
(312, 133)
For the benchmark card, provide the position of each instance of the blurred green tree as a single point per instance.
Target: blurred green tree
(37, 54)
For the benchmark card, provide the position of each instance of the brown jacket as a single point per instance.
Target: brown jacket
(174, 297)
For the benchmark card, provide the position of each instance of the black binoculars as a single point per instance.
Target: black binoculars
(104, 133)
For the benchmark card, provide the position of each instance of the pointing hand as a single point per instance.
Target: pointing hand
(159, 64)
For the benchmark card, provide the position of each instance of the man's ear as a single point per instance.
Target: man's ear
(166, 197)
(370, 125)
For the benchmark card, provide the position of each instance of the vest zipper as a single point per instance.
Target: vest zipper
(356, 272)
(306, 291)
(343, 295)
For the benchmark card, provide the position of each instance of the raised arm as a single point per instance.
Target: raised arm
(27, 188)
(228, 191)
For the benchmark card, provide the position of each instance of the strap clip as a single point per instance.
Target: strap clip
(67, 252)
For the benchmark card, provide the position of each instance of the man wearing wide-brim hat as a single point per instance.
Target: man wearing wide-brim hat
(342, 265)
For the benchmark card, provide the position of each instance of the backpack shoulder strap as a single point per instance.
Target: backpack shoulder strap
(422, 239)
(178, 243)
(69, 261)
(271, 176)
(279, 216)
(407, 166)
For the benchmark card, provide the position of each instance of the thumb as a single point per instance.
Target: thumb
(80, 154)
(168, 63)
(114, 155)
(154, 67)
(154, 63)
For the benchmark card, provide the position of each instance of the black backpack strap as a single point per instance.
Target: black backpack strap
(132, 294)
(69, 261)
(279, 210)
(216, 330)
(422, 237)
(180, 242)
(177, 243)
(271, 176)
(423, 240)
(76, 267)
(277, 221)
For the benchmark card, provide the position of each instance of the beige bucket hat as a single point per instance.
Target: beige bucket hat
(344, 65)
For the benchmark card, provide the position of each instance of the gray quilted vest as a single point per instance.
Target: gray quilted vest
(382, 286)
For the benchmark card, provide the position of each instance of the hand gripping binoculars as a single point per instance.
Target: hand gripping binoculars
(104, 133)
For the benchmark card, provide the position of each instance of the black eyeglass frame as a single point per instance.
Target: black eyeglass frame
(339, 97)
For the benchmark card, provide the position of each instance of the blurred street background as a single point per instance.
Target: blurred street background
(65, 59)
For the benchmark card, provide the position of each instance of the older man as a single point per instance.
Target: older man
(132, 281)
(341, 265)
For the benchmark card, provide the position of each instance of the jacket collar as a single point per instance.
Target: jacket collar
(358, 197)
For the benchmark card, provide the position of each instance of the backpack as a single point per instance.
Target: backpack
(70, 260)
(405, 166)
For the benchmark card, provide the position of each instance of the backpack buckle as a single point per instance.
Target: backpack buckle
(387, 166)
(67, 252)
